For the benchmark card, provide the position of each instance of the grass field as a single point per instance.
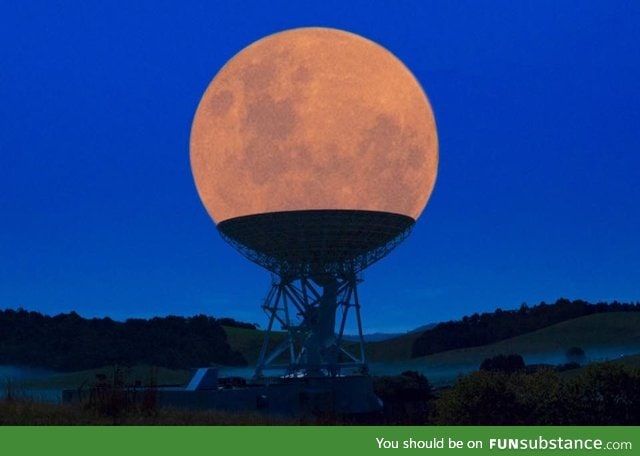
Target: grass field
(249, 341)
(602, 336)
(595, 332)
(391, 349)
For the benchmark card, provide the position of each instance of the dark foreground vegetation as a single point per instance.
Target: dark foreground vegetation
(487, 328)
(68, 342)
(20, 412)
(600, 394)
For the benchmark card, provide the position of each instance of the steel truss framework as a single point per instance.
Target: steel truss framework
(315, 257)
(307, 309)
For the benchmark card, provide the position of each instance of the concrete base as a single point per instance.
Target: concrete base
(307, 396)
(298, 396)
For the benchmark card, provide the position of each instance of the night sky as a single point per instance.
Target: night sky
(538, 194)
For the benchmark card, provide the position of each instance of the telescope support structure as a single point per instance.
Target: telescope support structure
(313, 310)
(315, 257)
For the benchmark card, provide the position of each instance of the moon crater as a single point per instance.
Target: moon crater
(271, 120)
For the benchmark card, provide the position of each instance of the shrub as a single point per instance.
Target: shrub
(575, 355)
(503, 363)
(406, 397)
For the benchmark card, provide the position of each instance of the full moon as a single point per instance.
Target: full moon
(314, 118)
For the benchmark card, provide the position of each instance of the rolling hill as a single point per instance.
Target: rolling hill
(249, 341)
(614, 336)
(602, 336)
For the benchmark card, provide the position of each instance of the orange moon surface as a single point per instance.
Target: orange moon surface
(314, 118)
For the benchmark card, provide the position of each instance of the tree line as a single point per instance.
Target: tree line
(487, 328)
(68, 342)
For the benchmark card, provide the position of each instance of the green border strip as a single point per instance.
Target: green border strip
(305, 441)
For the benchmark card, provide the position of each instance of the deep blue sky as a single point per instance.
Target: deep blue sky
(538, 195)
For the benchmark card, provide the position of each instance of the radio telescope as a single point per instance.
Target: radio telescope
(314, 150)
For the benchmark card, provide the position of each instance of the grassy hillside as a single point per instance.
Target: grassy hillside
(594, 333)
(614, 329)
(249, 341)
(392, 349)
(491, 327)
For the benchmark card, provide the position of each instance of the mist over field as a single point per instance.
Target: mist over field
(21, 372)
(445, 373)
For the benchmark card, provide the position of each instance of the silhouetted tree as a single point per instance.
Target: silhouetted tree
(503, 363)
(575, 355)
(406, 397)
